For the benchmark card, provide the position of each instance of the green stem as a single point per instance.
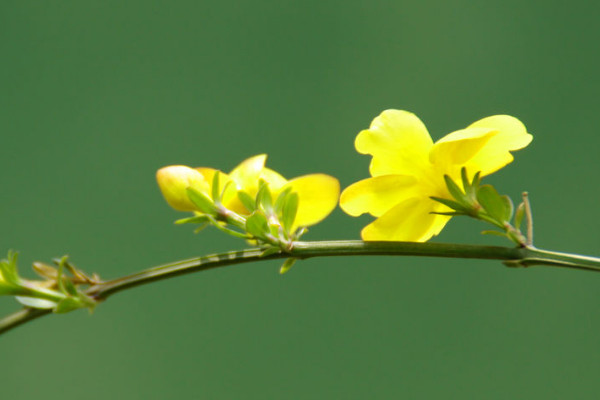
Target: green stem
(511, 256)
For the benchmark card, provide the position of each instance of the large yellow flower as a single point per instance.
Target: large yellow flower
(408, 168)
(317, 193)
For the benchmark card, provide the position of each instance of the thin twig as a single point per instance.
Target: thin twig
(513, 256)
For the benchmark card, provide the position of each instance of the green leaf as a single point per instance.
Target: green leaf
(476, 180)
(495, 205)
(289, 211)
(275, 229)
(76, 302)
(495, 233)
(34, 302)
(215, 187)
(201, 227)
(257, 225)
(247, 201)
(450, 213)
(287, 264)
(452, 204)
(519, 215)
(469, 186)
(201, 201)
(280, 201)
(509, 208)
(198, 219)
(228, 231)
(225, 187)
(456, 192)
(264, 198)
(465, 180)
(8, 268)
(68, 304)
(70, 287)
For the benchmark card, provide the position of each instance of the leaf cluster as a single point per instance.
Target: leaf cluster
(268, 223)
(483, 202)
(60, 290)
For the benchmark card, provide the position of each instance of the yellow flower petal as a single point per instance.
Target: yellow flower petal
(510, 127)
(247, 177)
(317, 196)
(377, 195)
(409, 221)
(512, 135)
(173, 182)
(274, 179)
(225, 183)
(246, 174)
(209, 175)
(398, 142)
(458, 147)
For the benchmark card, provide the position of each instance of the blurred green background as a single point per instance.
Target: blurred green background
(96, 95)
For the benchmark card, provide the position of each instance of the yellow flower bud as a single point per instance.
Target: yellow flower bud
(317, 193)
(173, 182)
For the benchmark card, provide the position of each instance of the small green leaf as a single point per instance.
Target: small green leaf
(198, 219)
(264, 198)
(257, 225)
(8, 268)
(495, 233)
(215, 187)
(225, 187)
(70, 287)
(201, 227)
(280, 201)
(247, 201)
(508, 208)
(67, 305)
(456, 192)
(75, 302)
(201, 201)
(450, 213)
(228, 231)
(470, 186)
(275, 229)
(495, 206)
(289, 211)
(60, 262)
(519, 215)
(287, 264)
(451, 204)
(476, 180)
(34, 302)
(465, 180)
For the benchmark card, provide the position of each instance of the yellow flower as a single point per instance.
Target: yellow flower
(408, 168)
(317, 193)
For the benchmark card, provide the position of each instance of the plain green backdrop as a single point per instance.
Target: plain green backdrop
(96, 95)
